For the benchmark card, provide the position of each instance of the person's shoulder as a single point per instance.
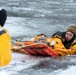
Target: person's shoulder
(59, 33)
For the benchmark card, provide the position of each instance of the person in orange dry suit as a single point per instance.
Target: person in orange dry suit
(64, 43)
(41, 38)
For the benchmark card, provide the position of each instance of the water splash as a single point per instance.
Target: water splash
(4, 73)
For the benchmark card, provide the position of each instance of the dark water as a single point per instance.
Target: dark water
(27, 18)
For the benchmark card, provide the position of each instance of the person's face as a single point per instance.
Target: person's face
(69, 36)
(43, 39)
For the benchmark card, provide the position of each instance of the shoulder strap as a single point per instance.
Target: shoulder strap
(2, 31)
(73, 43)
(60, 35)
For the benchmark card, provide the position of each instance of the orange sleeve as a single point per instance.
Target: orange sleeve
(73, 49)
(59, 47)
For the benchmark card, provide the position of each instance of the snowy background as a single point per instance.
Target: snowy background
(27, 18)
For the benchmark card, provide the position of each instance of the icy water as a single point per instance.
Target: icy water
(27, 18)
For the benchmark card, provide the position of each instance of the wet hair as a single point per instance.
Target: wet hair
(73, 38)
(72, 29)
